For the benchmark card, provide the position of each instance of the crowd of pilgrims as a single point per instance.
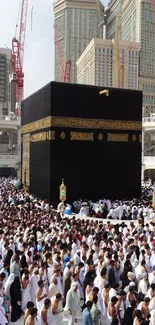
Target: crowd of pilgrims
(56, 269)
(116, 209)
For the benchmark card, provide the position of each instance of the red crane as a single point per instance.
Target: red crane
(65, 69)
(18, 56)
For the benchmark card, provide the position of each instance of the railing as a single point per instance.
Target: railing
(149, 158)
(149, 119)
(9, 118)
(8, 161)
(8, 156)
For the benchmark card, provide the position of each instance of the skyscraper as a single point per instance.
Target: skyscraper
(5, 87)
(78, 22)
(137, 25)
(114, 9)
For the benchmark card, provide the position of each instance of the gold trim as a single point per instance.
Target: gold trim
(26, 138)
(134, 138)
(117, 137)
(140, 138)
(26, 160)
(82, 136)
(62, 135)
(100, 137)
(73, 122)
(37, 125)
(38, 137)
(50, 135)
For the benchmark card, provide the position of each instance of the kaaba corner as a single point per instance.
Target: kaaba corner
(88, 135)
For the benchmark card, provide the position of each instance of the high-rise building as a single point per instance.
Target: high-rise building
(8, 134)
(5, 87)
(114, 9)
(137, 25)
(78, 22)
(96, 65)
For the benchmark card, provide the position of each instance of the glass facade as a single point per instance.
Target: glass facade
(60, 22)
(129, 31)
(147, 41)
(138, 26)
(114, 10)
(77, 27)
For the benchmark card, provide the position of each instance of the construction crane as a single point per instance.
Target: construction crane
(18, 56)
(65, 69)
(118, 57)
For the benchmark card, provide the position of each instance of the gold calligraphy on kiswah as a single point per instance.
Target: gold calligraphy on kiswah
(83, 123)
(76, 136)
(82, 136)
(37, 125)
(42, 136)
(38, 137)
(117, 137)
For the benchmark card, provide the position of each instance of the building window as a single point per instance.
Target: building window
(5, 111)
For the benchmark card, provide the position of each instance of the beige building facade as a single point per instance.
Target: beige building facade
(96, 65)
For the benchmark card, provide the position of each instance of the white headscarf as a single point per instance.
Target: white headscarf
(74, 285)
(8, 283)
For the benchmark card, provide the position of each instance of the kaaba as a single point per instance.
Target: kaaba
(92, 140)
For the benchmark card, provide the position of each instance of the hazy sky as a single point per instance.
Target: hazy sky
(39, 44)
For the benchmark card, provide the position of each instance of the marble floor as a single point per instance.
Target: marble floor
(20, 322)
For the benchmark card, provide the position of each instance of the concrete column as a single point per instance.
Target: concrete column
(142, 173)
(19, 151)
(142, 160)
(10, 140)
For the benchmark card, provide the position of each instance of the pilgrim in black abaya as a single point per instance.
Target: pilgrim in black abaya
(15, 293)
(129, 314)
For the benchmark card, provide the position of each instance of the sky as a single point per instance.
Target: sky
(39, 43)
